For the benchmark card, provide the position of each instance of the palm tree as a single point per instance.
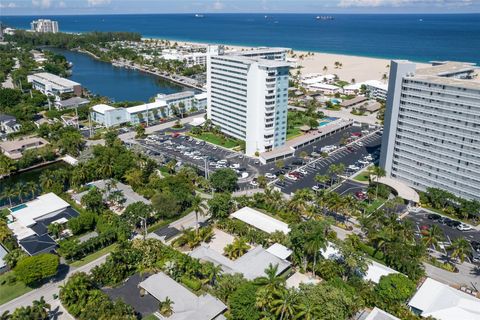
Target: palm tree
(46, 181)
(271, 281)
(433, 236)
(20, 189)
(9, 192)
(199, 208)
(307, 310)
(236, 249)
(321, 179)
(166, 307)
(461, 249)
(32, 187)
(6, 165)
(378, 172)
(313, 245)
(284, 304)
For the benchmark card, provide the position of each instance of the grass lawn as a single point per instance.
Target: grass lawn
(11, 291)
(362, 177)
(150, 317)
(93, 256)
(217, 139)
(293, 133)
(375, 205)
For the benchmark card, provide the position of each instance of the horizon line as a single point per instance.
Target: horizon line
(220, 13)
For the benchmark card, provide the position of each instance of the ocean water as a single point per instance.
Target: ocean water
(416, 37)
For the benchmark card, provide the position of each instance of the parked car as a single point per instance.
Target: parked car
(303, 171)
(298, 162)
(254, 183)
(475, 245)
(291, 177)
(361, 195)
(269, 175)
(464, 227)
(434, 216)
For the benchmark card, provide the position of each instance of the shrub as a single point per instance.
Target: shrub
(83, 223)
(35, 268)
(193, 284)
(394, 289)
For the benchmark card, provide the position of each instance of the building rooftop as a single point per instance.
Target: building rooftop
(440, 301)
(259, 51)
(102, 108)
(43, 205)
(6, 117)
(354, 101)
(176, 96)
(9, 146)
(451, 73)
(3, 253)
(252, 60)
(376, 314)
(260, 220)
(186, 305)
(54, 79)
(147, 106)
(252, 264)
(201, 96)
(75, 101)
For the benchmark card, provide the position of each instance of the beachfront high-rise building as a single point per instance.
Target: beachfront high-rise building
(432, 127)
(44, 25)
(248, 99)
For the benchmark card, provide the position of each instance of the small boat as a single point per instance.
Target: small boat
(325, 18)
(199, 15)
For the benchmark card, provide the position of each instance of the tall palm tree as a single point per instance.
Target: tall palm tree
(20, 188)
(236, 249)
(461, 248)
(271, 281)
(321, 178)
(307, 310)
(31, 187)
(378, 172)
(433, 236)
(9, 192)
(284, 304)
(199, 207)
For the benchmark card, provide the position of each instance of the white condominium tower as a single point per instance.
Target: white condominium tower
(248, 99)
(432, 127)
(44, 25)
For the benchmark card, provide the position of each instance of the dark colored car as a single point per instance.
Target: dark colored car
(475, 245)
(444, 220)
(298, 162)
(453, 223)
(280, 172)
(434, 216)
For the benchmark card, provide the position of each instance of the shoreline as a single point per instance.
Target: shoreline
(358, 68)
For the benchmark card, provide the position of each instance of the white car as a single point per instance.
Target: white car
(254, 183)
(315, 188)
(360, 144)
(290, 177)
(464, 227)
(353, 167)
(244, 175)
(302, 171)
(269, 175)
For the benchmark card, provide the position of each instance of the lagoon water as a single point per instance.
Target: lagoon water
(402, 36)
(119, 84)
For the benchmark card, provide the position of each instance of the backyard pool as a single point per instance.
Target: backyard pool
(17, 208)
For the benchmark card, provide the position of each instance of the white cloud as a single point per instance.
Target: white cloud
(44, 4)
(400, 3)
(8, 5)
(94, 3)
(62, 4)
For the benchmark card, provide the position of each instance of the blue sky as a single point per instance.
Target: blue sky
(50, 7)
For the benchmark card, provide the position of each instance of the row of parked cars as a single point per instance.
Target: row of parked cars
(449, 222)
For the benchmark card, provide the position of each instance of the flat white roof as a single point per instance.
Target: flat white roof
(379, 314)
(376, 84)
(442, 302)
(319, 85)
(197, 121)
(376, 271)
(45, 204)
(144, 107)
(54, 79)
(201, 96)
(102, 108)
(260, 220)
(279, 250)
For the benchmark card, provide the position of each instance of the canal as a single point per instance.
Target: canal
(15, 180)
(119, 84)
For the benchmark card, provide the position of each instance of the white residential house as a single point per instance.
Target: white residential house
(9, 124)
(440, 301)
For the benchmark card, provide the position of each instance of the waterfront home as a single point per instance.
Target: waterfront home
(14, 149)
(74, 102)
(29, 222)
(185, 304)
(151, 111)
(51, 84)
(9, 124)
(440, 301)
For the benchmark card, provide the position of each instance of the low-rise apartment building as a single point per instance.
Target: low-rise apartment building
(14, 149)
(51, 84)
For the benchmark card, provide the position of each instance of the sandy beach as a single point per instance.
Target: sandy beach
(353, 67)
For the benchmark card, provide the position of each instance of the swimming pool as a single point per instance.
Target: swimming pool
(326, 121)
(335, 101)
(17, 208)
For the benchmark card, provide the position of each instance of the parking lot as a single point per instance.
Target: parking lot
(369, 145)
(186, 150)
